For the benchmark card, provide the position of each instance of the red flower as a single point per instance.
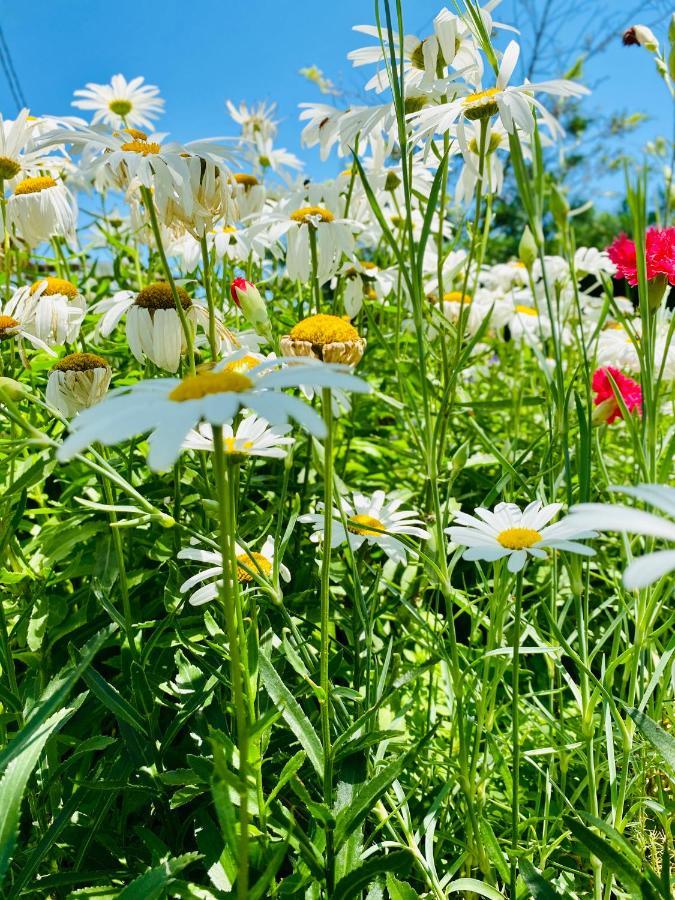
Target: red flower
(659, 253)
(605, 398)
(239, 284)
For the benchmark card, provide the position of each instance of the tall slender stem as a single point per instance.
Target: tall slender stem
(206, 267)
(515, 735)
(316, 287)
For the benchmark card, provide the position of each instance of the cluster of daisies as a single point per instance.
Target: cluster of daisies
(216, 211)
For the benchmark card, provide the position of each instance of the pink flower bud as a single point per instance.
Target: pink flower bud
(247, 298)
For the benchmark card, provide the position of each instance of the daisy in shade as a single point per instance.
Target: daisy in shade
(252, 565)
(508, 531)
(253, 436)
(647, 569)
(513, 104)
(171, 408)
(375, 520)
(121, 103)
(609, 383)
(40, 208)
(52, 308)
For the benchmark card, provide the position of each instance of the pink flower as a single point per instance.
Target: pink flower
(239, 284)
(608, 409)
(659, 253)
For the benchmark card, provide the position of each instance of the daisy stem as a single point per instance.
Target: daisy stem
(325, 637)
(187, 331)
(515, 736)
(316, 289)
(213, 339)
(225, 486)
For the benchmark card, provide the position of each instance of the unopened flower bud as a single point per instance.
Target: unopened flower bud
(560, 208)
(642, 35)
(254, 309)
(527, 249)
(11, 389)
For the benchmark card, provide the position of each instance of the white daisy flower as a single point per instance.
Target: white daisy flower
(475, 309)
(253, 436)
(322, 128)
(375, 520)
(18, 154)
(591, 261)
(265, 156)
(121, 103)
(526, 322)
(252, 565)
(170, 407)
(647, 569)
(256, 120)
(41, 208)
(505, 276)
(249, 194)
(11, 327)
(510, 532)
(153, 327)
(52, 309)
(77, 382)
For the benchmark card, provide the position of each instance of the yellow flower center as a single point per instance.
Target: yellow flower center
(518, 538)
(457, 297)
(308, 215)
(492, 144)
(363, 524)
(136, 134)
(323, 329)
(144, 147)
(231, 445)
(158, 295)
(120, 107)
(243, 364)
(80, 362)
(34, 185)
(194, 387)
(55, 286)
(526, 310)
(7, 322)
(253, 561)
(245, 179)
(481, 105)
(9, 167)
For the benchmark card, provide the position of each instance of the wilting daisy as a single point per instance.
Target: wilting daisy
(252, 436)
(510, 532)
(41, 208)
(513, 104)
(131, 103)
(170, 407)
(52, 308)
(251, 565)
(375, 520)
(647, 569)
(77, 382)
(324, 337)
(153, 327)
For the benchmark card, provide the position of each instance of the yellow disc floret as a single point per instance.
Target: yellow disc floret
(457, 297)
(53, 286)
(194, 387)
(309, 215)
(245, 179)
(159, 295)
(34, 185)
(7, 323)
(141, 146)
(9, 167)
(324, 329)
(363, 524)
(252, 561)
(120, 107)
(80, 362)
(518, 538)
(526, 310)
(243, 364)
(481, 105)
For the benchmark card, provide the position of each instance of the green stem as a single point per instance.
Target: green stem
(213, 337)
(316, 287)
(515, 736)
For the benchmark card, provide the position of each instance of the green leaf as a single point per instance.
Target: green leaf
(292, 712)
(475, 886)
(153, 884)
(431, 210)
(538, 886)
(348, 887)
(400, 890)
(111, 698)
(494, 851)
(660, 740)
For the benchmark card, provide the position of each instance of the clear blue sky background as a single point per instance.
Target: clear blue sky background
(202, 52)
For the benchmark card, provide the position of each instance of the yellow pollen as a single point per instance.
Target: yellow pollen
(7, 322)
(245, 179)
(80, 362)
(323, 329)
(229, 229)
(363, 524)
(306, 214)
(34, 185)
(136, 134)
(526, 310)
(194, 387)
(518, 538)
(253, 561)
(8, 167)
(457, 297)
(480, 96)
(231, 445)
(243, 364)
(55, 286)
(144, 147)
(120, 107)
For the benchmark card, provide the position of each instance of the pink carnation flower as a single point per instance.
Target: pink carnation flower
(659, 253)
(608, 409)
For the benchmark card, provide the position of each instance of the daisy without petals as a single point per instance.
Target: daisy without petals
(508, 531)
(324, 337)
(647, 569)
(375, 520)
(607, 383)
(121, 102)
(251, 565)
(170, 407)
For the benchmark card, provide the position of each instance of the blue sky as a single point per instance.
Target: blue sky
(201, 53)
